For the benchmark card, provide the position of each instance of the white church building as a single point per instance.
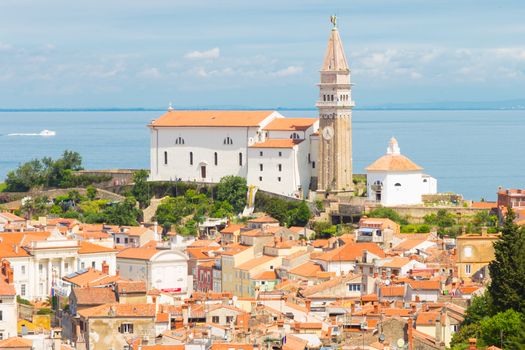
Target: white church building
(394, 179)
(273, 153)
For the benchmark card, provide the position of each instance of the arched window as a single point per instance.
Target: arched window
(228, 141)
(424, 180)
(216, 158)
(397, 184)
(295, 136)
(179, 141)
(191, 158)
(324, 98)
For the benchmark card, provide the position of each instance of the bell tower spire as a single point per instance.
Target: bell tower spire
(335, 118)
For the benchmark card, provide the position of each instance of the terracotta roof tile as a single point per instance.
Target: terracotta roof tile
(119, 310)
(211, 118)
(255, 262)
(392, 291)
(232, 228)
(137, 253)
(16, 342)
(351, 251)
(266, 276)
(427, 318)
(94, 296)
(308, 269)
(290, 124)
(393, 162)
(90, 248)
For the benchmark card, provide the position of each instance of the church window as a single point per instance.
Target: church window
(279, 179)
(313, 165)
(425, 180)
(216, 158)
(261, 153)
(260, 178)
(240, 159)
(309, 158)
(468, 269)
(191, 158)
(228, 141)
(397, 184)
(324, 97)
(261, 167)
(179, 141)
(165, 158)
(294, 136)
(280, 154)
(280, 166)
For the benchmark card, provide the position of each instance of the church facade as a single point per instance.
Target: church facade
(287, 156)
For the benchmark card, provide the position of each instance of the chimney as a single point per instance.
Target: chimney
(308, 304)
(81, 343)
(376, 308)
(57, 339)
(365, 255)
(185, 314)
(439, 330)
(105, 267)
(472, 344)
(413, 308)
(156, 230)
(352, 308)
(410, 332)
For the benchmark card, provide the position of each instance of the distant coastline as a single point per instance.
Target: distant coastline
(158, 109)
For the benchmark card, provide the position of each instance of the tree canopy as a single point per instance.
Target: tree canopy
(232, 189)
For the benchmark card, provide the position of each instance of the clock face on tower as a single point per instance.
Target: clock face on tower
(328, 132)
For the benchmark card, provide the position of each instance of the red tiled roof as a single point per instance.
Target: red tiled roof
(351, 251)
(90, 248)
(290, 124)
(211, 118)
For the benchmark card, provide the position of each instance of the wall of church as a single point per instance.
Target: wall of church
(272, 178)
(189, 153)
(398, 188)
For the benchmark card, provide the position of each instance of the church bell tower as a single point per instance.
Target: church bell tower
(335, 119)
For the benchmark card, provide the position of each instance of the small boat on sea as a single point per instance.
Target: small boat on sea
(46, 132)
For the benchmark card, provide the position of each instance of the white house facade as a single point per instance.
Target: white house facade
(394, 179)
(165, 270)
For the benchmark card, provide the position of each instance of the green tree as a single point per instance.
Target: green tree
(502, 327)
(443, 220)
(233, 190)
(507, 270)
(301, 215)
(25, 177)
(123, 213)
(171, 211)
(480, 308)
(91, 192)
(460, 339)
(141, 189)
(388, 213)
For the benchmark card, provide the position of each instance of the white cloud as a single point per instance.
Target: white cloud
(209, 54)
(290, 70)
(149, 73)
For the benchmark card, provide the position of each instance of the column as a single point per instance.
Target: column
(49, 276)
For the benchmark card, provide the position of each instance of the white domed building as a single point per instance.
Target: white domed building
(394, 179)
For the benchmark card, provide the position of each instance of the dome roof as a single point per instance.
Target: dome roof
(393, 160)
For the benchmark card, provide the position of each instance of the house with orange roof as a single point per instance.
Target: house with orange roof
(244, 282)
(165, 270)
(343, 259)
(399, 266)
(393, 179)
(16, 343)
(14, 222)
(230, 234)
(475, 252)
(377, 230)
(232, 256)
(423, 290)
(112, 325)
(134, 236)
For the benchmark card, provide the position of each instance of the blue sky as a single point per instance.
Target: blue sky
(256, 53)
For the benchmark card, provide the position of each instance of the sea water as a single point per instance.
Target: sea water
(470, 152)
